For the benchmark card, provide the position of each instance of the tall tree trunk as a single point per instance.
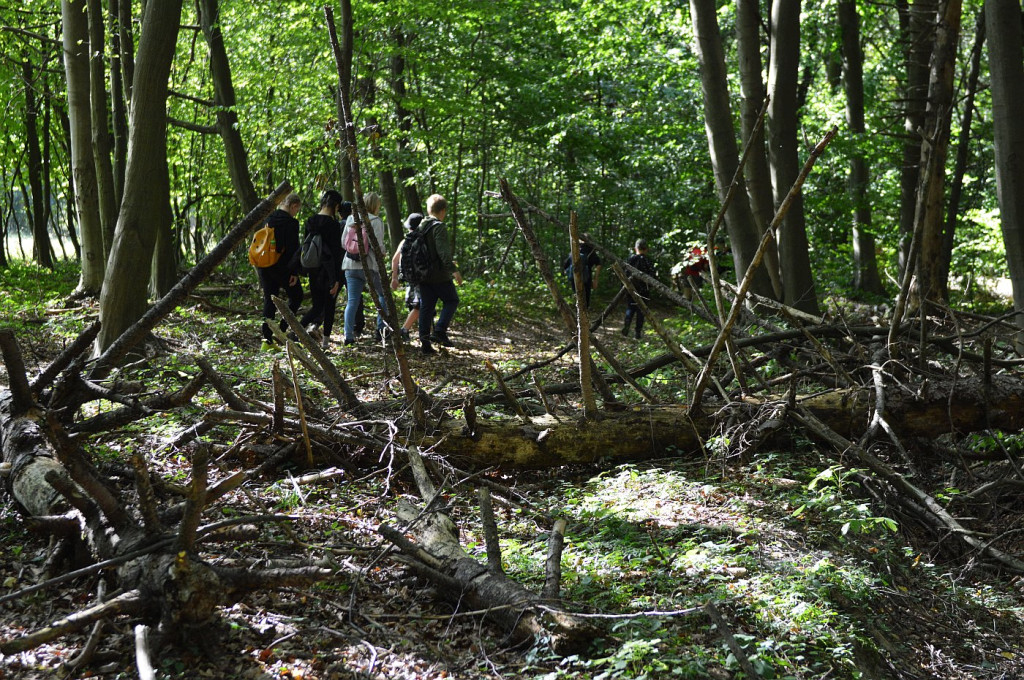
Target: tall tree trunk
(929, 222)
(722, 142)
(794, 251)
(147, 186)
(118, 101)
(865, 264)
(963, 152)
(224, 100)
(917, 21)
(83, 169)
(101, 143)
(406, 172)
(37, 214)
(756, 172)
(1003, 23)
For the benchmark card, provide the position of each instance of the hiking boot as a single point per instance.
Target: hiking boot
(426, 347)
(326, 342)
(405, 335)
(349, 341)
(441, 338)
(625, 331)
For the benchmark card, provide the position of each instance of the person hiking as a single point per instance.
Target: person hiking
(361, 267)
(639, 261)
(590, 269)
(412, 293)
(438, 284)
(285, 272)
(325, 278)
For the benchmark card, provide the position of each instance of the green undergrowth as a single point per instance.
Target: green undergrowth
(811, 582)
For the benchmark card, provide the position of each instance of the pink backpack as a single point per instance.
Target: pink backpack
(352, 238)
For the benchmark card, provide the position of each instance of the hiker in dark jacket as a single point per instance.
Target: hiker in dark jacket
(590, 269)
(285, 272)
(642, 263)
(325, 280)
(438, 285)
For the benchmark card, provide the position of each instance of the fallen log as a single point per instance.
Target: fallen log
(651, 431)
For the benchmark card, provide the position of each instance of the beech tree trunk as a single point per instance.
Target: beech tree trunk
(147, 186)
(83, 169)
(783, 118)
(1005, 53)
(865, 264)
(739, 220)
(755, 170)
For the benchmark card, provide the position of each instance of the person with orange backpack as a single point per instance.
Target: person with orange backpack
(276, 264)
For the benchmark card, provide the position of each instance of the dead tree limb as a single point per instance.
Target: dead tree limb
(526, 616)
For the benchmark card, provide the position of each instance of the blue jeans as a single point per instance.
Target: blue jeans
(430, 293)
(355, 282)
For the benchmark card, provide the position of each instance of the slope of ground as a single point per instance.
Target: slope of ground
(810, 579)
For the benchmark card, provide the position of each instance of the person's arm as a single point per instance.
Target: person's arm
(443, 247)
(396, 259)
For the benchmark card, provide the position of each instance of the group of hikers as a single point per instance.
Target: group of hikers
(334, 252)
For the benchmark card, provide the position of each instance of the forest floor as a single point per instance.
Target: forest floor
(812, 579)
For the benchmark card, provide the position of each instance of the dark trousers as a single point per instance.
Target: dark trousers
(430, 293)
(633, 310)
(323, 306)
(272, 282)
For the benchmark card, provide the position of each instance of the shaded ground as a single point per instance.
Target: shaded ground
(812, 581)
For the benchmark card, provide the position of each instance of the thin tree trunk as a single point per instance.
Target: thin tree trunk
(101, 142)
(794, 249)
(118, 103)
(71, 197)
(224, 100)
(406, 173)
(37, 214)
(345, 42)
(83, 169)
(917, 23)
(739, 220)
(865, 264)
(929, 220)
(147, 186)
(963, 152)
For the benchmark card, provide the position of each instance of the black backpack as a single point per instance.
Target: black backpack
(417, 261)
(311, 255)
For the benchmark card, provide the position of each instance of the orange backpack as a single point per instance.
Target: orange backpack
(263, 249)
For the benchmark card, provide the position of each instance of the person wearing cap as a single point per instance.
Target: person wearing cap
(412, 293)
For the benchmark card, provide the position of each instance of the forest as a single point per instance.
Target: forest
(802, 459)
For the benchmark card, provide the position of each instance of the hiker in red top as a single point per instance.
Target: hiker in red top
(688, 274)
